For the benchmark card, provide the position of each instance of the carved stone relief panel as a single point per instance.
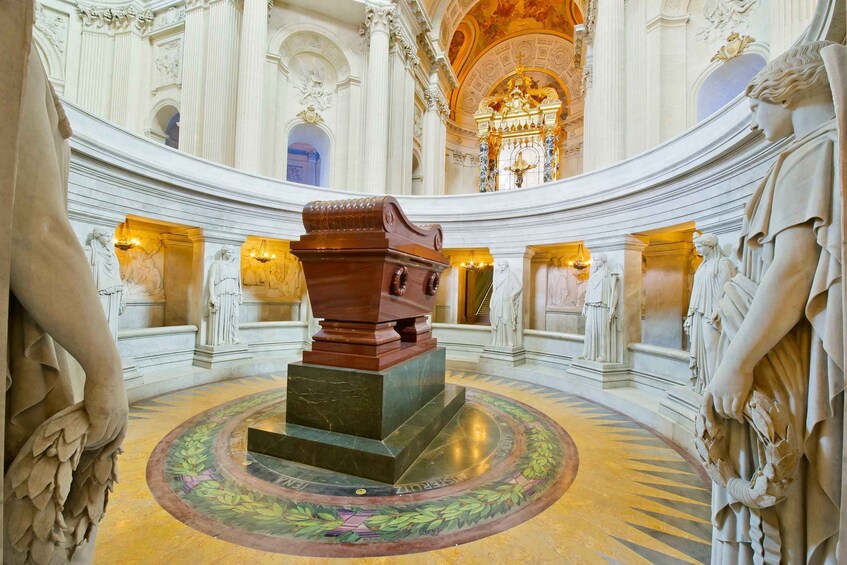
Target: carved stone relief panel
(167, 66)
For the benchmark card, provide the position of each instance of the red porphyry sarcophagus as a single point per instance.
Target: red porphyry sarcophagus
(372, 276)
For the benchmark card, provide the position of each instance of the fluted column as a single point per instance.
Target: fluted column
(219, 105)
(789, 19)
(96, 58)
(130, 74)
(434, 141)
(193, 73)
(605, 93)
(401, 111)
(254, 27)
(377, 23)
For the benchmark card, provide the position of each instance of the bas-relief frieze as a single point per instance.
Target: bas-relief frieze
(168, 62)
(115, 18)
(566, 285)
(54, 26)
(171, 17)
(310, 84)
(141, 270)
(279, 278)
(726, 16)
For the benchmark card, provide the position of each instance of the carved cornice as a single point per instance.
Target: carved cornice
(420, 15)
(401, 41)
(115, 19)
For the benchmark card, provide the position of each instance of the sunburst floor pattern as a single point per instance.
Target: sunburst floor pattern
(589, 486)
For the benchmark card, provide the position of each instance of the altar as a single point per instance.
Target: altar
(519, 131)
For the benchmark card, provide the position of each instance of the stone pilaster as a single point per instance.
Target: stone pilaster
(518, 265)
(403, 62)
(221, 81)
(254, 28)
(207, 247)
(605, 88)
(538, 294)
(191, 110)
(788, 20)
(377, 29)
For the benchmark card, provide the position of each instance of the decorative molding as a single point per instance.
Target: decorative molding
(418, 10)
(311, 88)
(53, 25)
(171, 17)
(404, 44)
(115, 19)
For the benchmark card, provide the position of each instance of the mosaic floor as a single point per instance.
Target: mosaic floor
(525, 474)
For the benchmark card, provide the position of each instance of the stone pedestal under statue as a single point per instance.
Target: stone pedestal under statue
(371, 395)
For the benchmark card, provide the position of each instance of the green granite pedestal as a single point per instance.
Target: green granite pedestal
(371, 424)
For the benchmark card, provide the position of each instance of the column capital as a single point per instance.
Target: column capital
(378, 18)
(625, 242)
(216, 236)
(436, 101)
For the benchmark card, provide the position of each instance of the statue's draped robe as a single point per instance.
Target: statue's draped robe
(38, 381)
(224, 288)
(800, 189)
(504, 309)
(704, 329)
(601, 335)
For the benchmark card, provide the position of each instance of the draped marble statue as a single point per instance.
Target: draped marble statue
(60, 457)
(107, 277)
(701, 322)
(601, 309)
(505, 307)
(223, 297)
(770, 427)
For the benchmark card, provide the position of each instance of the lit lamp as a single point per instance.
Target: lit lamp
(579, 262)
(262, 255)
(472, 265)
(123, 238)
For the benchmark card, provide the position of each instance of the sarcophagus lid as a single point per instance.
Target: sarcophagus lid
(364, 261)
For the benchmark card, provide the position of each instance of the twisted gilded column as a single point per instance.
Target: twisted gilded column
(377, 27)
(254, 26)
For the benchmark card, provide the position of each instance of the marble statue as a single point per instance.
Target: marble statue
(223, 296)
(505, 307)
(701, 321)
(770, 428)
(601, 309)
(60, 451)
(107, 277)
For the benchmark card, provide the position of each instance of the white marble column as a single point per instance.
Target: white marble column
(377, 23)
(96, 60)
(434, 141)
(518, 269)
(606, 89)
(254, 29)
(207, 247)
(221, 81)
(788, 20)
(624, 255)
(193, 73)
(397, 114)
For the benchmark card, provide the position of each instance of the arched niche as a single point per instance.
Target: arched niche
(164, 124)
(288, 44)
(724, 83)
(308, 153)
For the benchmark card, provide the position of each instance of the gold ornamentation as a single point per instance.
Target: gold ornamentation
(735, 45)
(310, 116)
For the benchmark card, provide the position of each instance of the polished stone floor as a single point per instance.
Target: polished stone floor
(525, 474)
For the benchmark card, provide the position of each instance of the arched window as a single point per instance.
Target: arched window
(172, 132)
(726, 82)
(165, 126)
(308, 156)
